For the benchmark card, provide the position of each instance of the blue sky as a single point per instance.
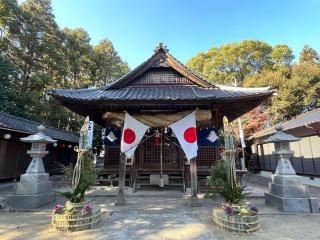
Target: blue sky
(189, 27)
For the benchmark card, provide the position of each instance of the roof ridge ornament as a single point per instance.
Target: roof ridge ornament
(161, 46)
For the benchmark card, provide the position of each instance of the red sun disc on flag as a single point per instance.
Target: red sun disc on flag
(190, 135)
(129, 136)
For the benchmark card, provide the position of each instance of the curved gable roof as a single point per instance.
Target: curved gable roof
(160, 59)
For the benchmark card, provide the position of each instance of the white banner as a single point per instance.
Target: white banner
(133, 132)
(89, 135)
(186, 133)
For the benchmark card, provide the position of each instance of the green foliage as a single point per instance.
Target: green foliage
(7, 94)
(87, 178)
(232, 61)
(97, 139)
(67, 171)
(309, 55)
(218, 175)
(106, 65)
(282, 55)
(234, 195)
(218, 181)
(300, 93)
(37, 56)
(257, 64)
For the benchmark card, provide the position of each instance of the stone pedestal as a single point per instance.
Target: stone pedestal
(33, 191)
(288, 194)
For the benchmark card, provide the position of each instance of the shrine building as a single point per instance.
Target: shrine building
(159, 92)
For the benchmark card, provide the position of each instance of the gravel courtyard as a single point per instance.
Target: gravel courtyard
(158, 215)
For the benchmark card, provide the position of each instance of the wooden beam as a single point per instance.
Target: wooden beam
(121, 201)
(194, 200)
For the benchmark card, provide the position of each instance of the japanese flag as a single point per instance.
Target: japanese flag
(186, 133)
(132, 133)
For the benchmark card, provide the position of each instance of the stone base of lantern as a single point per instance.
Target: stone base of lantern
(288, 194)
(292, 205)
(33, 191)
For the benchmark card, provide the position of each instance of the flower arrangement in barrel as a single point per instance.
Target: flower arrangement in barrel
(232, 194)
(250, 210)
(86, 210)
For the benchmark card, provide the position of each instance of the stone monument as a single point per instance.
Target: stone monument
(34, 188)
(286, 191)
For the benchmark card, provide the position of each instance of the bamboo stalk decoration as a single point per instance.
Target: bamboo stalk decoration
(230, 153)
(80, 150)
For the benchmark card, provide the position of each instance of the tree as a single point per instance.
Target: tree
(256, 64)
(37, 56)
(232, 62)
(298, 89)
(255, 120)
(9, 21)
(197, 62)
(282, 55)
(76, 56)
(106, 64)
(300, 94)
(31, 48)
(8, 74)
(309, 55)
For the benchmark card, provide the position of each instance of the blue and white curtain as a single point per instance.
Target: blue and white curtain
(206, 137)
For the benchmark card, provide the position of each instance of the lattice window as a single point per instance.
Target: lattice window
(151, 152)
(113, 155)
(161, 76)
(171, 152)
(207, 156)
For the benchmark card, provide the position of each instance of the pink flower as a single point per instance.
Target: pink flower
(58, 209)
(228, 209)
(87, 209)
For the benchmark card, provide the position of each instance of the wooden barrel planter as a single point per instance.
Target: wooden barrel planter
(75, 220)
(236, 222)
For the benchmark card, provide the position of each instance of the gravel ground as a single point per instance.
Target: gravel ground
(159, 215)
(148, 217)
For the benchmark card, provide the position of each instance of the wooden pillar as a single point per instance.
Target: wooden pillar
(121, 201)
(194, 200)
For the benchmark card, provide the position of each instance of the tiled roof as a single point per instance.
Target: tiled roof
(160, 93)
(301, 120)
(14, 123)
(161, 82)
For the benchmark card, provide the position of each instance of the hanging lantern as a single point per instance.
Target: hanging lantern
(157, 138)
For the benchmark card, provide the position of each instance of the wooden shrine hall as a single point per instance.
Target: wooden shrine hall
(159, 92)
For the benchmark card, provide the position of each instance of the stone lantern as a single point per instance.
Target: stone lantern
(286, 191)
(34, 188)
